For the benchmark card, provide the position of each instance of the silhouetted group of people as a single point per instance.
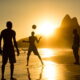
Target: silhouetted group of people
(9, 40)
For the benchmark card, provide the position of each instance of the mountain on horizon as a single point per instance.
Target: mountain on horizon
(64, 35)
(65, 32)
(68, 21)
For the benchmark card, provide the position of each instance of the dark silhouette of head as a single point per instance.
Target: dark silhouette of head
(32, 33)
(74, 31)
(9, 25)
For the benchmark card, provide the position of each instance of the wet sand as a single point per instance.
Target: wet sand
(57, 66)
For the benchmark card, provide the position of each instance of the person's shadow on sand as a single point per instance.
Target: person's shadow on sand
(40, 76)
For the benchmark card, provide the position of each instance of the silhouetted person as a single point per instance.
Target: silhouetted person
(9, 38)
(32, 47)
(75, 46)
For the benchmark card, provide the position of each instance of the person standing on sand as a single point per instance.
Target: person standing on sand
(32, 47)
(75, 46)
(9, 38)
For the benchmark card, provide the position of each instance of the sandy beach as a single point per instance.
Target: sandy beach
(58, 65)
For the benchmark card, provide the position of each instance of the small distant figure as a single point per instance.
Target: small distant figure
(75, 46)
(9, 38)
(32, 47)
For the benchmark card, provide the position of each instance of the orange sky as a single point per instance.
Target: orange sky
(24, 13)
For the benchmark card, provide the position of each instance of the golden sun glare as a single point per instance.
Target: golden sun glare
(46, 28)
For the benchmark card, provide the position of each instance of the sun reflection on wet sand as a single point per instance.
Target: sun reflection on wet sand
(47, 52)
(50, 52)
(52, 71)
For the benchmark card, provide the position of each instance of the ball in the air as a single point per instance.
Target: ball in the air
(34, 26)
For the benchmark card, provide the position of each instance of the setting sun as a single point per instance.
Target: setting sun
(46, 28)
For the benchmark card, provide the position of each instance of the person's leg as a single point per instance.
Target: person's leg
(40, 58)
(12, 61)
(37, 53)
(28, 55)
(3, 70)
(12, 69)
(76, 56)
(4, 62)
(28, 59)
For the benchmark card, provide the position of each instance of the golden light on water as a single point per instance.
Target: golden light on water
(52, 71)
(47, 52)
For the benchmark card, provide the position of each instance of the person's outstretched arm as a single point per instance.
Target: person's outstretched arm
(38, 39)
(15, 44)
(25, 41)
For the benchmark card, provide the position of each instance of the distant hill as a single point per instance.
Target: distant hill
(64, 35)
